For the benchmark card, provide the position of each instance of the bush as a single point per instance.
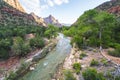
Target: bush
(115, 53)
(92, 74)
(5, 45)
(37, 42)
(68, 75)
(12, 76)
(94, 63)
(82, 55)
(77, 67)
(19, 47)
(117, 78)
(4, 54)
(23, 67)
(104, 62)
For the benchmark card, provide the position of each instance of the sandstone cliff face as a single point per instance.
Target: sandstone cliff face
(12, 14)
(39, 19)
(115, 10)
(112, 6)
(15, 4)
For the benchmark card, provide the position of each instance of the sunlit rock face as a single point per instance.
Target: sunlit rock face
(15, 4)
(39, 19)
(13, 14)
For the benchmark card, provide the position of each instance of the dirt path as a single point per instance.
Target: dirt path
(111, 58)
(85, 62)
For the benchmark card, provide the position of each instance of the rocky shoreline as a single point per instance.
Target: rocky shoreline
(30, 63)
(85, 63)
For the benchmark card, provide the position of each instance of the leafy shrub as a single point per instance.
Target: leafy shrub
(5, 45)
(12, 76)
(23, 67)
(4, 54)
(68, 75)
(19, 48)
(104, 61)
(110, 76)
(37, 42)
(94, 63)
(92, 74)
(117, 78)
(82, 55)
(115, 53)
(77, 67)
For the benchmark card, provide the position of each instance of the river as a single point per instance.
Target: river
(47, 66)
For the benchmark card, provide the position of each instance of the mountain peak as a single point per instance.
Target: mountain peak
(50, 15)
(15, 4)
(51, 20)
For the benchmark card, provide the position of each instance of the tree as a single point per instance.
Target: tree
(5, 46)
(19, 47)
(94, 28)
(105, 22)
(37, 42)
(51, 31)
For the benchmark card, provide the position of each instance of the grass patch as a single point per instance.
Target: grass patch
(94, 63)
(92, 74)
(68, 75)
(115, 53)
(82, 55)
(77, 67)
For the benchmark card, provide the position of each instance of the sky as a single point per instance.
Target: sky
(66, 11)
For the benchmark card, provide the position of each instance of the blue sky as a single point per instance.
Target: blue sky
(66, 11)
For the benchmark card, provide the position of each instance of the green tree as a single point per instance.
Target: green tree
(68, 75)
(105, 23)
(51, 31)
(94, 28)
(19, 47)
(37, 42)
(5, 46)
(92, 74)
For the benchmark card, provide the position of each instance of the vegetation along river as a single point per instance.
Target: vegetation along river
(47, 66)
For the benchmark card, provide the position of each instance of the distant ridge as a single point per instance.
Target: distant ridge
(12, 13)
(112, 7)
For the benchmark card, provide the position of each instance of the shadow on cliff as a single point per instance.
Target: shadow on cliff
(11, 16)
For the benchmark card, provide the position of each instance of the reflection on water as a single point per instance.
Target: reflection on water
(47, 66)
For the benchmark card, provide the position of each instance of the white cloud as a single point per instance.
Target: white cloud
(50, 3)
(59, 2)
(37, 6)
(31, 6)
(44, 7)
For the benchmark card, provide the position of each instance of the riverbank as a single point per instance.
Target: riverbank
(103, 66)
(15, 64)
(47, 66)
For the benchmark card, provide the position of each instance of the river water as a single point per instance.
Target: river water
(47, 66)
